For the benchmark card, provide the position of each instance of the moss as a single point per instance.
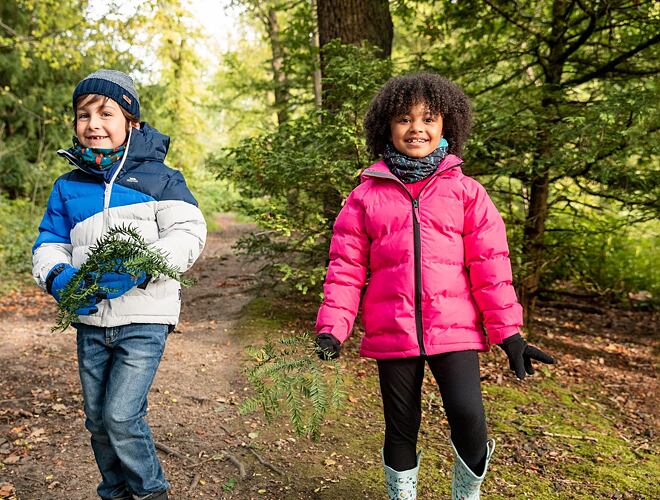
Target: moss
(527, 463)
(260, 320)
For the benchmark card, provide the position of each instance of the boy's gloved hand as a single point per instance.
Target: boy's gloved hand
(521, 354)
(58, 278)
(118, 283)
(328, 346)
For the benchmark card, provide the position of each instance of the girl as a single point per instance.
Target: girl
(119, 179)
(439, 275)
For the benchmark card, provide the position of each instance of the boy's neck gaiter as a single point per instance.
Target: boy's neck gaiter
(409, 170)
(99, 159)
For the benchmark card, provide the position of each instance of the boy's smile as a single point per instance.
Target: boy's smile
(101, 124)
(417, 133)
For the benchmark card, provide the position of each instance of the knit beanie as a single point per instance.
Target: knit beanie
(116, 85)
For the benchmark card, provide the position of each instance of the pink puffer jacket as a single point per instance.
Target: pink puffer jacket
(439, 269)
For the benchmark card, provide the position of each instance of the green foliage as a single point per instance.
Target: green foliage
(298, 173)
(17, 234)
(289, 374)
(606, 255)
(122, 244)
(229, 485)
(565, 98)
(46, 47)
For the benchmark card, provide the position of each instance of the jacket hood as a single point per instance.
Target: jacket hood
(146, 144)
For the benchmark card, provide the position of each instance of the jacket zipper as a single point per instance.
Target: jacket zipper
(417, 242)
(417, 248)
(108, 186)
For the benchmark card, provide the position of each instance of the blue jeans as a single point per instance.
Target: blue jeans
(117, 367)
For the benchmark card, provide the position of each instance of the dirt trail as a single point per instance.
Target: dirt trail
(603, 389)
(44, 447)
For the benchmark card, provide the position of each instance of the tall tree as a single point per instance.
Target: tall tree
(567, 102)
(45, 48)
(355, 22)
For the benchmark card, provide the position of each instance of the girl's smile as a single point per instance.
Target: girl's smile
(417, 133)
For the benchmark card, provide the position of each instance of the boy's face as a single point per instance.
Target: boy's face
(100, 123)
(417, 133)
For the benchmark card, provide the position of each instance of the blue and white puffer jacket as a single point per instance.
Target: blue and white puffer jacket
(142, 192)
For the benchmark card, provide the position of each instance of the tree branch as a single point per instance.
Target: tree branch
(514, 22)
(611, 66)
(506, 80)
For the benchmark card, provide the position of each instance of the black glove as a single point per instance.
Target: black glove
(521, 354)
(327, 346)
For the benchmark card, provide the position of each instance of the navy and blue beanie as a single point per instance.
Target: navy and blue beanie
(116, 85)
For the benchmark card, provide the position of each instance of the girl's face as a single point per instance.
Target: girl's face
(100, 123)
(417, 133)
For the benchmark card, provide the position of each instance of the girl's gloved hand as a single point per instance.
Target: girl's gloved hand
(58, 278)
(521, 354)
(327, 346)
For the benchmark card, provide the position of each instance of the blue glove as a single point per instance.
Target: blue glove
(118, 283)
(58, 278)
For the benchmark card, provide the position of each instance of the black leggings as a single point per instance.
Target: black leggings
(457, 376)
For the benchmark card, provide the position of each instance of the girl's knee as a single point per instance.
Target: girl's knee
(467, 418)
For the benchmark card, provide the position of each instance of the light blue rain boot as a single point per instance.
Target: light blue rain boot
(465, 484)
(401, 485)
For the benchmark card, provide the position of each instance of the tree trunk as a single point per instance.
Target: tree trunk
(316, 76)
(356, 21)
(279, 77)
(533, 245)
(539, 186)
(351, 22)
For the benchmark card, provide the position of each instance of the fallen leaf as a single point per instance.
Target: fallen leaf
(11, 459)
(6, 489)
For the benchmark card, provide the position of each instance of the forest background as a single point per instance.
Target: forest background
(566, 119)
(269, 126)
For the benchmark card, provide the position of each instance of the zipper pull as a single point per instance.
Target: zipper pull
(415, 204)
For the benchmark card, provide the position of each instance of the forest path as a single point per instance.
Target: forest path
(583, 428)
(44, 447)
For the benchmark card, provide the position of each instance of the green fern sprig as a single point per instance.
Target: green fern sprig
(121, 243)
(288, 376)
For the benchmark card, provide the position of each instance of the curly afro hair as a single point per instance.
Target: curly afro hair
(401, 93)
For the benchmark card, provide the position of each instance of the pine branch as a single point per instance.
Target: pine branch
(290, 376)
(121, 249)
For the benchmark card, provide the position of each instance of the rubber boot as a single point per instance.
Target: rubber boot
(401, 485)
(465, 484)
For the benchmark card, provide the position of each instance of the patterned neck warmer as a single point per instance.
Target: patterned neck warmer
(409, 170)
(97, 158)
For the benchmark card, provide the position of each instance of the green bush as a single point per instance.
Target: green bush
(293, 180)
(18, 231)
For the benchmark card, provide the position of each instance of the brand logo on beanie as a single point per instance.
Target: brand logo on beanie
(126, 98)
